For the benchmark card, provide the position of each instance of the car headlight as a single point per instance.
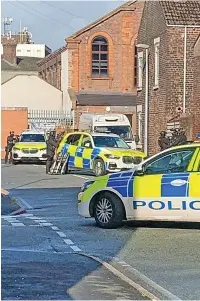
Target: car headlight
(110, 156)
(43, 149)
(86, 185)
(16, 149)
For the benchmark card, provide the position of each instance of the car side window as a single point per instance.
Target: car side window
(86, 141)
(170, 163)
(69, 139)
(76, 139)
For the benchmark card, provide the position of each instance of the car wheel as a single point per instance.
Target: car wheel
(14, 162)
(108, 211)
(99, 167)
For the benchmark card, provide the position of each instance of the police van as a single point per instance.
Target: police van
(164, 187)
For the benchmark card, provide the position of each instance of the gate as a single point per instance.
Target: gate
(49, 119)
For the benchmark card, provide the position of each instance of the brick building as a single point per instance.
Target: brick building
(170, 29)
(102, 64)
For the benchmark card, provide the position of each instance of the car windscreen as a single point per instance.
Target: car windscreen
(32, 138)
(107, 141)
(122, 131)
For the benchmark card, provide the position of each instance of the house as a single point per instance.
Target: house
(102, 64)
(169, 30)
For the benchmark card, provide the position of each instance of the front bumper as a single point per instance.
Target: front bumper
(83, 206)
(26, 157)
(117, 165)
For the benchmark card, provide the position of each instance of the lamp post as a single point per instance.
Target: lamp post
(146, 47)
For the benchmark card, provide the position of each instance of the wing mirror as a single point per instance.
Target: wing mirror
(87, 145)
(140, 171)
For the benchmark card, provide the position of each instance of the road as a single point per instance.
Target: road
(42, 250)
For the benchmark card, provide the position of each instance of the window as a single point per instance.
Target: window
(32, 138)
(157, 50)
(99, 57)
(76, 139)
(170, 163)
(86, 140)
(69, 139)
(108, 141)
(140, 69)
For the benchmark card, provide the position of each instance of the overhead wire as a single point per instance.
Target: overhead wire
(63, 10)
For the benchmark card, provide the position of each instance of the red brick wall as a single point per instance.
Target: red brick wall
(164, 100)
(12, 119)
(121, 31)
(9, 49)
(196, 108)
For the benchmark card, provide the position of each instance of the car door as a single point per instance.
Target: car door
(74, 142)
(84, 152)
(162, 191)
(193, 212)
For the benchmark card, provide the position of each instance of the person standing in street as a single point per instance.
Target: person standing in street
(51, 148)
(9, 146)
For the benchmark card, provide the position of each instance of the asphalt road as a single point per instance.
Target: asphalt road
(41, 251)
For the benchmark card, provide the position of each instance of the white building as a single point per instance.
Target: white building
(32, 50)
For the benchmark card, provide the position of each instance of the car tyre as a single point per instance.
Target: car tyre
(108, 211)
(99, 167)
(14, 162)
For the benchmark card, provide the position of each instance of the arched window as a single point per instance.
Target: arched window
(99, 57)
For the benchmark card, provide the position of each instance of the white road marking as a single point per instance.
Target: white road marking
(80, 177)
(41, 221)
(61, 234)
(75, 248)
(24, 202)
(46, 224)
(122, 262)
(34, 217)
(55, 228)
(27, 215)
(17, 224)
(68, 242)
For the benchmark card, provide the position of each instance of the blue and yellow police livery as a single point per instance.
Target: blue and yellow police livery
(99, 152)
(163, 187)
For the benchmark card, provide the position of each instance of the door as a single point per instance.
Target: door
(163, 191)
(74, 142)
(193, 212)
(84, 152)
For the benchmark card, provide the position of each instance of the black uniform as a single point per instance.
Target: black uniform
(163, 141)
(9, 146)
(51, 148)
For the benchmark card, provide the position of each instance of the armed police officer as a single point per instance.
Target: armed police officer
(163, 141)
(9, 146)
(52, 144)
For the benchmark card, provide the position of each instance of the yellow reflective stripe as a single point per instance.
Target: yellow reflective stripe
(191, 164)
(78, 162)
(147, 186)
(197, 163)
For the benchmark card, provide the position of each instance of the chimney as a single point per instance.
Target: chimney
(9, 49)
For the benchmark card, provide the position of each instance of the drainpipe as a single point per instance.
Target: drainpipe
(185, 70)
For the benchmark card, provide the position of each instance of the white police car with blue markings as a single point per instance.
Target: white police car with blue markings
(163, 187)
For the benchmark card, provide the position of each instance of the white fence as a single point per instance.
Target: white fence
(49, 119)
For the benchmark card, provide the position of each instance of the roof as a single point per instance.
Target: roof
(51, 55)
(22, 63)
(105, 99)
(124, 6)
(181, 12)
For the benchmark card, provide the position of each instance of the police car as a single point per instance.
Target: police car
(99, 152)
(163, 187)
(31, 147)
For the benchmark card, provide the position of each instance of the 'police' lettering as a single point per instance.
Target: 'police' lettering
(137, 204)
(192, 205)
(170, 206)
(151, 205)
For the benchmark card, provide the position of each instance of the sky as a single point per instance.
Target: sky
(50, 22)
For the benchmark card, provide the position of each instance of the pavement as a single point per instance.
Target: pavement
(51, 253)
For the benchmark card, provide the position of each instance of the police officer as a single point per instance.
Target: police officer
(163, 141)
(51, 148)
(9, 146)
